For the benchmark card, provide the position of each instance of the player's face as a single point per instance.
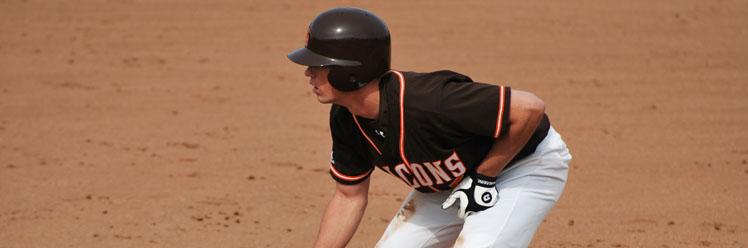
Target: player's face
(322, 88)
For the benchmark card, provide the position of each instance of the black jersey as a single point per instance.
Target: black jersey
(432, 129)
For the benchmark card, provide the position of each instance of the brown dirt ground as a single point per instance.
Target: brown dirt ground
(129, 123)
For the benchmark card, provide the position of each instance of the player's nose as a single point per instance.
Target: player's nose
(308, 72)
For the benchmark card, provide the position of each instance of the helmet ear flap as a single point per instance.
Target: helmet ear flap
(350, 78)
(345, 78)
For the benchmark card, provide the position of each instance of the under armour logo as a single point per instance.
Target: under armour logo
(379, 132)
(486, 197)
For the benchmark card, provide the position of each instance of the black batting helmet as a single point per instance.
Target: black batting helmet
(353, 43)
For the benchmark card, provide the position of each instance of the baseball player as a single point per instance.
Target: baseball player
(484, 162)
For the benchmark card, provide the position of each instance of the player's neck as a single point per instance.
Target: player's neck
(363, 102)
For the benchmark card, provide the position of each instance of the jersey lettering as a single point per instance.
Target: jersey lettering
(437, 171)
(404, 174)
(455, 165)
(430, 173)
(421, 175)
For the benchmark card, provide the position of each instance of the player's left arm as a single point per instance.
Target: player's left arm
(526, 112)
(469, 108)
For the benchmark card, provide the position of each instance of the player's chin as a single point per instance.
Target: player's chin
(324, 100)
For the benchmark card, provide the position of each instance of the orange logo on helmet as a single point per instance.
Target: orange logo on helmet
(306, 43)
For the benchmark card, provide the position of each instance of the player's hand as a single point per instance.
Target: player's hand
(476, 193)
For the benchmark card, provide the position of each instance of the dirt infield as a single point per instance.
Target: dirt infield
(131, 123)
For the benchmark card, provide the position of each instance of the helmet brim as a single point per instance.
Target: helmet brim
(304, 56)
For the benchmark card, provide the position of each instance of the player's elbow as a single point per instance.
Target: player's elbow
(355, 200)
(536, 106)
(358, 193)
(529, 103)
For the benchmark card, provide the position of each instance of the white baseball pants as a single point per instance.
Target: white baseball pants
(527, 192)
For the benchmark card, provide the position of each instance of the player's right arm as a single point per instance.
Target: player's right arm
(343, 214)
(352, 173)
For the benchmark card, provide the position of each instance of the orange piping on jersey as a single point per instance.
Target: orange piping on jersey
(347, 178)
(402, 120)
(365, 136)
(402, 125)
(500, 118)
